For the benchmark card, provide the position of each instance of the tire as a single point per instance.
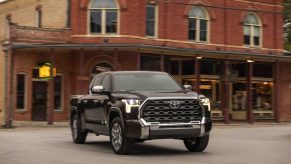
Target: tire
(198, 144)
(78, 134)
(119, 142)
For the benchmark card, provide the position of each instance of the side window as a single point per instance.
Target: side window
(106, 83)
(98, 80)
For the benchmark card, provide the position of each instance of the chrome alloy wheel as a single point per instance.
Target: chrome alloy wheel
(75, 128)
(116, 136)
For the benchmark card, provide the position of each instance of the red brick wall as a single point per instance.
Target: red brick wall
(173, 24)
(24, 62)
(284, 92)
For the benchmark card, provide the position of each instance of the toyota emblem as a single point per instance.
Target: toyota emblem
(174, 104)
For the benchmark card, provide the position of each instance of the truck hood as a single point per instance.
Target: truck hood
(142, 95)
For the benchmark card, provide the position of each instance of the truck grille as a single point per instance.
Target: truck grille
(171, 111)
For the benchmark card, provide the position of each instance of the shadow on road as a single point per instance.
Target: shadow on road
(144, 149)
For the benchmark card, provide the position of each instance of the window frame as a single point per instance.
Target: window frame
(38, 18)
(156, 21)
(103, 20)
(252, 31)
(24, 94)
(61, 109)
(8, 21)
(198, 26)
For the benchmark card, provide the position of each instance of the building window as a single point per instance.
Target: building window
(252, 30)
(151, 20)
(103, 16)
(38, 17)
(198, 24)
(58, 84)
(20, 92)
(8, 21)
(150, 63)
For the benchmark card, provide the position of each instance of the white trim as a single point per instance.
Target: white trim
(252, 35)
(156, 28)
(103, 20)
(198, 30)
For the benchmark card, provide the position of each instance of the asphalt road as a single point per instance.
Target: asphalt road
(246, 144)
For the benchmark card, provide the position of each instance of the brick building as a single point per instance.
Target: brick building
(229, 50)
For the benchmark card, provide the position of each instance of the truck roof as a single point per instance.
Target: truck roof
(134, 72)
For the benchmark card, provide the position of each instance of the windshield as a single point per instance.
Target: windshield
(144, 82)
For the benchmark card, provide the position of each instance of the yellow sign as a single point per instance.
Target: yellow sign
(45, 71)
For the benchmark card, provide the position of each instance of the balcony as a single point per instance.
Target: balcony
(25, 34)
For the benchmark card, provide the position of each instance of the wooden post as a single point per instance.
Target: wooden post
(51, 93)
(250, 115)
(138, 67)
(162, 63)
(197, 75)
(81, 71)
(276, 74)
(115, 61)
(225, 98)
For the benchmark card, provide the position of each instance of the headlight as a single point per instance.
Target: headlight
(204, 101)
(129, 103)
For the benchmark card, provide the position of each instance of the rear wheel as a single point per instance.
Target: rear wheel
(197, 144)
(119, 142)
(78, 134)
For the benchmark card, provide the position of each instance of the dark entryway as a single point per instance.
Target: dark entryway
(39, 99)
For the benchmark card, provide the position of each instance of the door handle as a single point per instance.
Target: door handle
(95, 101)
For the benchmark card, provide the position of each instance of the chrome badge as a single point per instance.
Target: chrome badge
(174, 104)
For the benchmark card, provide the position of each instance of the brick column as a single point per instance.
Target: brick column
(250, 115)
(81, 71)
(9, 78)
(51, 93)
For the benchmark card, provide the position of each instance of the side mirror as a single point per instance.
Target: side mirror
(187, 87)
(97, 89)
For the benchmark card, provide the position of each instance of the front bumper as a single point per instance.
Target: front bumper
(140, 129)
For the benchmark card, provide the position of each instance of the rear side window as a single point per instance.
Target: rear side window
(97, 81)
(106, 83)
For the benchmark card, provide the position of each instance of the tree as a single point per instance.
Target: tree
(287, 24)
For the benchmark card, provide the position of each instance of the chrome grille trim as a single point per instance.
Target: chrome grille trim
(158, 110)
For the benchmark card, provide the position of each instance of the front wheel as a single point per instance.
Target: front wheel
(197, 144)
(78, 134)
(119, 142)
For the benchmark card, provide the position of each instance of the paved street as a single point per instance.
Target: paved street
(266, 144)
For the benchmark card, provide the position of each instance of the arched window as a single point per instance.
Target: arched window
(103, 16)
(101, 67)
(252, 30)
(198, 24)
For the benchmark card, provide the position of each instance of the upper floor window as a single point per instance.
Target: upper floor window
(103, 16)
(151, 20)
(38, 17)
(252, 30)
(8, 21)
(198, 24)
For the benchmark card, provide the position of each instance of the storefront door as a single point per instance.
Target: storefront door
(39, 103)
